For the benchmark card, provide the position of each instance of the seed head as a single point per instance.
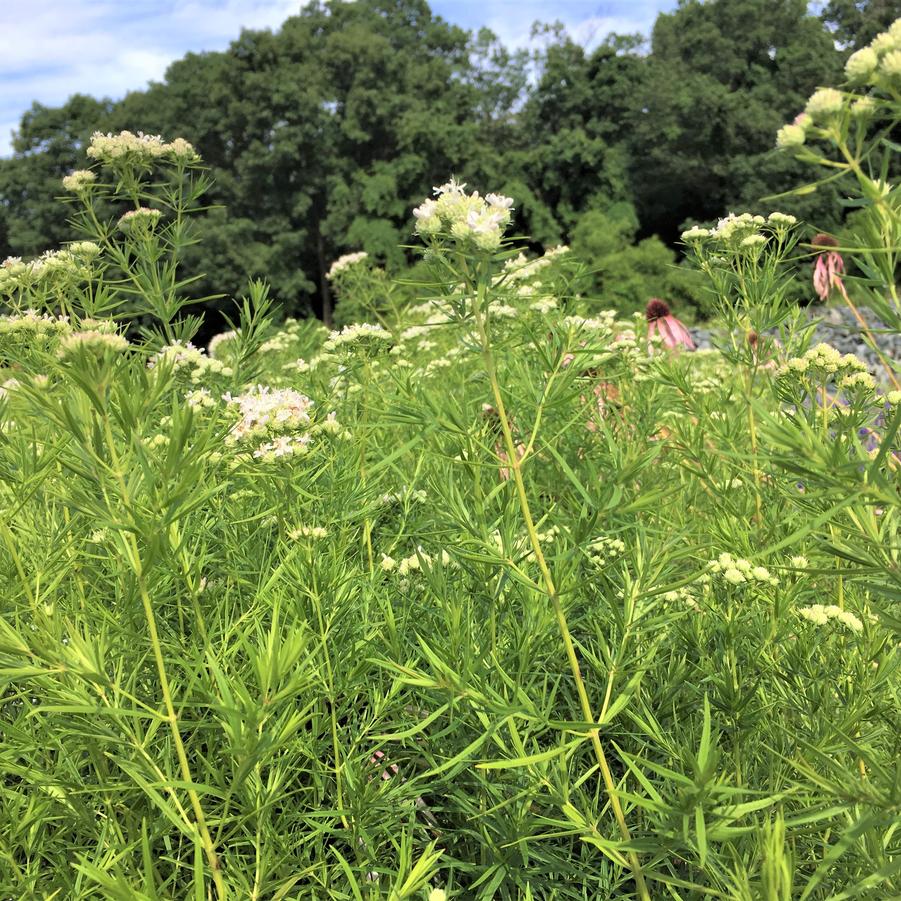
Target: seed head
(824, 241)
(656, 309)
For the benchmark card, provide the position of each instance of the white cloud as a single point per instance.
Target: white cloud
(587, 21)
(55, 48)
(105, 48)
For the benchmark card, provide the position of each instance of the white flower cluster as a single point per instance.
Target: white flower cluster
(79, 181)
(84, 250)
(139, 148)
(263, 412)
(824, 103)
(345, 262)
(185, 356)
(31, 323)
(43, 332)
(736, 228)
(820, 615)
(362, 337)
(218, 345)
(603, 322)
(277, 343)
(881, 58)
(543, 306)
(684, 596)
(791, 136)
(822, 363)
(414, 562)
(299, 532)
(405, 495)
(283, 446)
(141, 219)
(549, 535)
(200, 399)
(415, 331)
(434, 311)
(436, 367)
(742, 231)
(859, 383)
(282, 418)
(466, 217)
(52, 268)
(8, 386)
(736, 571)
(298, 366)
(502, 311)
(520, 268)
(99, 342)
(604, 550)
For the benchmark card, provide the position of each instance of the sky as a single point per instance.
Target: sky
(50, 49)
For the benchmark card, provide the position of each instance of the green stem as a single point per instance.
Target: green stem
(516, 468)
(752, 428)
(367, 526)
(132, 551)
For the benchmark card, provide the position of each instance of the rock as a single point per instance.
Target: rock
(836, 326)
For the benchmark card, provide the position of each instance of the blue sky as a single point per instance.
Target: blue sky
(54, 48)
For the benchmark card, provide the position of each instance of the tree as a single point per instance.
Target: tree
(572, 153)
(856, 22)
(47, 145)
(322, 137)
(722, 78)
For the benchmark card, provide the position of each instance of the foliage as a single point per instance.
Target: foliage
(320, 136)
(625, 272)
(498, 596)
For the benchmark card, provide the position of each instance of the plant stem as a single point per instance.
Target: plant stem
(132, 551)
(752, 428)
(516, 468)
(367, 526)
(866, 330)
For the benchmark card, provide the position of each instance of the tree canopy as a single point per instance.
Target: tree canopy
(322, 135)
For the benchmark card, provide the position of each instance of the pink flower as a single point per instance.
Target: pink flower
(494, 420)
(604, 392)
(502, 455)
(391, 770)
(829, 267)
(661, 321)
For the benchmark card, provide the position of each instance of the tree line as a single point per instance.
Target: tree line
(322, 135)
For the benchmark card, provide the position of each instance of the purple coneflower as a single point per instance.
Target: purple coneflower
(827, 274)
(661, 321)
(829, 267)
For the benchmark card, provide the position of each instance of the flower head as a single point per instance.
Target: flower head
(891, 64)
(695, 234)
(99, 343)
(790, 136)
(345, 262)
(661, 321)
(469, 218)
(141, 218)
(79, 181)
(829, 267)
(127, 147)
(362, 336)
(862, 64)
(824, 103)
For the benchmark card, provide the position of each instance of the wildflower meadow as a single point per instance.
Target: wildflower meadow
(489, 591)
